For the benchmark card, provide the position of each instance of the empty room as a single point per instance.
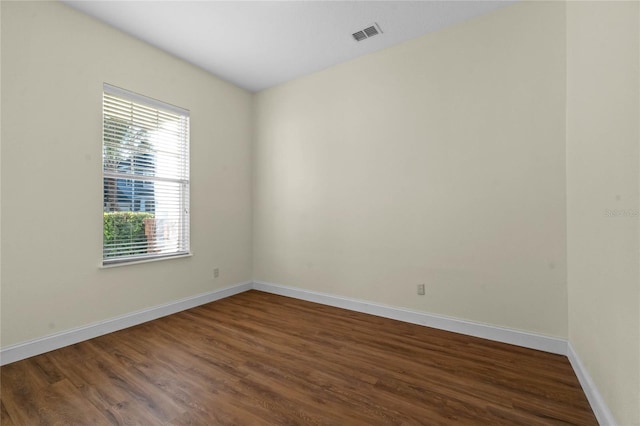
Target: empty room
(320, 212)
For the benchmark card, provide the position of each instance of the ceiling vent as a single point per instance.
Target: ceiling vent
(370, 31)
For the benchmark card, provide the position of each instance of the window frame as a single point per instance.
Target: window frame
(183, 182)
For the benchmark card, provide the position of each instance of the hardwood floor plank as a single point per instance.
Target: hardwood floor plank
(5, 419)
(59, 403)
(262, 359)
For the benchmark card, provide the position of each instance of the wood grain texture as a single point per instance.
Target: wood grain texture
(261, 359)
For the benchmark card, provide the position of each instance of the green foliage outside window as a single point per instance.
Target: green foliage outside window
(122, 227)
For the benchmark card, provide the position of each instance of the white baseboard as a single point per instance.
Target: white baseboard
(485, 331)
(69, 337)
(500, 334)
(599, 407)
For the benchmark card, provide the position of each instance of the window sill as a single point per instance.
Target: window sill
(136, 262)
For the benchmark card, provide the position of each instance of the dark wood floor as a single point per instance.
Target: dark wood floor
(257, 358)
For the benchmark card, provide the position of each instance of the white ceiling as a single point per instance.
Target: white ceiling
(259, 44)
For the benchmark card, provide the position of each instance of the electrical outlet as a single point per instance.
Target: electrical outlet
(216, 272)
(421, 289)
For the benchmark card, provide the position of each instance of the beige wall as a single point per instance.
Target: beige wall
(438, 161)
(54, 61)
(603, 95)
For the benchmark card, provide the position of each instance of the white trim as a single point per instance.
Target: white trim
(143, 260)
(491, 332)
(69, 337)
(470, 328)
(500, 334)
(598, 405)
(142, 99)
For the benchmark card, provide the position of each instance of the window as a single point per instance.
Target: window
(145, 163)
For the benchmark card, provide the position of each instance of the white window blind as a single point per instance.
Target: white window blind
(145, 152)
